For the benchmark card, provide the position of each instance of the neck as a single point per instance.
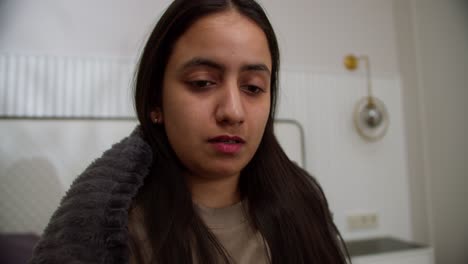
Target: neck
(214, 193)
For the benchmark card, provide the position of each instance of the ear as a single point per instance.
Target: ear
(156, 116)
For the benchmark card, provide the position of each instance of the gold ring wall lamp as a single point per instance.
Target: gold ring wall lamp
(370, 115)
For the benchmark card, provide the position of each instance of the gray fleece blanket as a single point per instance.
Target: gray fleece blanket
(90, 225)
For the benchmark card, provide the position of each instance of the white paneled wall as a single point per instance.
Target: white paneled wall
(357, 176)
(54, 86)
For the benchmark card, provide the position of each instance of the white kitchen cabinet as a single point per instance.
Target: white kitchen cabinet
(389, 251)
(412, 256)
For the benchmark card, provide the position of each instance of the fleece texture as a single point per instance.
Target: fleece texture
(90, 225)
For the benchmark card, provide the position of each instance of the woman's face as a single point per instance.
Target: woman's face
(216, 94)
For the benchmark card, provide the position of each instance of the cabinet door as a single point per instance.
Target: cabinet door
(420, 256)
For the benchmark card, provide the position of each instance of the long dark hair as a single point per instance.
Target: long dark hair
(286, 205)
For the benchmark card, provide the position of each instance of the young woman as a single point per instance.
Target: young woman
(203, 178)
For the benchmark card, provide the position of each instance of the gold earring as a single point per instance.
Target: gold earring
(156, 117)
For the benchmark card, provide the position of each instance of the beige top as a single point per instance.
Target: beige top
(231, 227)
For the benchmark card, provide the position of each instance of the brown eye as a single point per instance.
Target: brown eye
(253, 89)
(200, 84)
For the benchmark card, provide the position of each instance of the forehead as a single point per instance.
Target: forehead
(226, 37)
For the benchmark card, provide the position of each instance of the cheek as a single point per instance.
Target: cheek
(182, 130)
(184, 116)
(180, 118)
(261, 119)
(175, 104)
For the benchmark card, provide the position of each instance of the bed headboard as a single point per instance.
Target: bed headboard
(40, 159)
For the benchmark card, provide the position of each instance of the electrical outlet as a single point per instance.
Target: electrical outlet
(362, 221)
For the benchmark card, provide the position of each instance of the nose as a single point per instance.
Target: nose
(230, 108)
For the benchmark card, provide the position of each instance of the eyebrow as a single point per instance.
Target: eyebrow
(198, 61)
(256, 67)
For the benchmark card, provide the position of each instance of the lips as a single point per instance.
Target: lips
(227, 144)
(227, 140)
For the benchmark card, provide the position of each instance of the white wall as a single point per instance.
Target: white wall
(412, 109)
(357, 176)
(314, 36)
(84, 28)
(434, 34)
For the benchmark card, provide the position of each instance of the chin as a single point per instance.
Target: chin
(217, 169)
(223, 171)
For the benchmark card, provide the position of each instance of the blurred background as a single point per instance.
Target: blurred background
(66, 69)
